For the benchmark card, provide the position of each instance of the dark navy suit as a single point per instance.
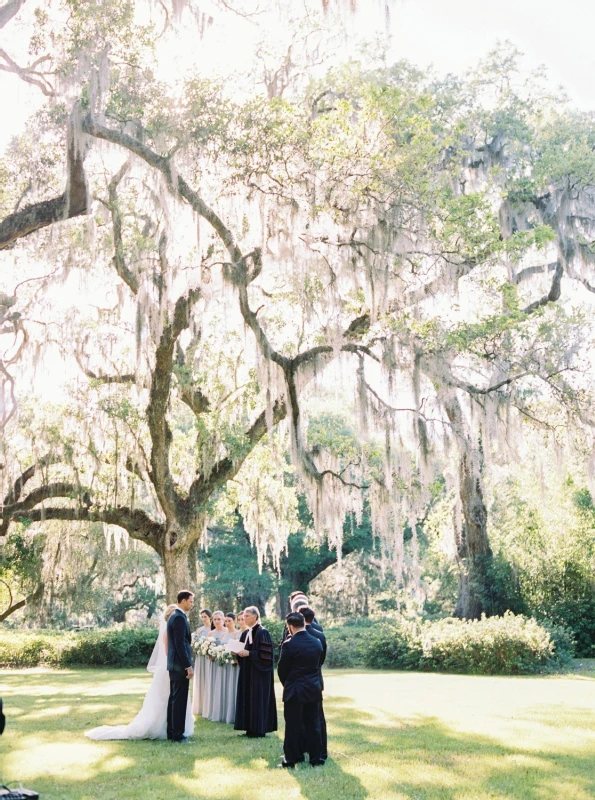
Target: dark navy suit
(317, 634)
(299, 672)
(179, 658)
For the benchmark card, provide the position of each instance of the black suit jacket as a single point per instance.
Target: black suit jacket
(299, 669)
(321, 638)
(179, 653)
(286, 635)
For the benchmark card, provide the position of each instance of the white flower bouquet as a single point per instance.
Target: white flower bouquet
(205, 646)
(196, 641)
(225, 657)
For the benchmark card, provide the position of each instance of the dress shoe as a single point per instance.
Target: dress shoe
(183, 740)
(318, 763)
(287, 765)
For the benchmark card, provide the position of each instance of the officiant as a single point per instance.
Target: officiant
(256, 711)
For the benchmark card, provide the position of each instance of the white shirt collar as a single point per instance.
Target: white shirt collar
(249, 636)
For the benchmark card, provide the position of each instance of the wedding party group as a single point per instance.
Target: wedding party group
(230, 663)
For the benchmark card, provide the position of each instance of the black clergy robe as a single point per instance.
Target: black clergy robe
(256, 710)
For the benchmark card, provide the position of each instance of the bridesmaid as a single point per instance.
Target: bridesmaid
(199, 664)
(231, 673)
(214, 706)
(230, 625)
(242, 623)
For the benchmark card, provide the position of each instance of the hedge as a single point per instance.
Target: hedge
(101, 648)
(507, 645)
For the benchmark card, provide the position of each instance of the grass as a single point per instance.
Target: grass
(392, 735)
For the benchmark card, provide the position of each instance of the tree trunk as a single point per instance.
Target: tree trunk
(179, 566)
(473, 546)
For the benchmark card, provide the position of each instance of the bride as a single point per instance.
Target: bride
(151, 720)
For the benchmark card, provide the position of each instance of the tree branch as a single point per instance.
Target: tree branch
(175, 183)
(9, 10)
(161, 436)
(28, 74)
(16, 491)
(114, 206)
(193, 398)
(552, 296)
(36, 496)
(71, 203)
(138, 524)
(228, 467)
(102, 377)
(339, 477)
(240, 275)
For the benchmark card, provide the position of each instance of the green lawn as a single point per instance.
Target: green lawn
(391, 735)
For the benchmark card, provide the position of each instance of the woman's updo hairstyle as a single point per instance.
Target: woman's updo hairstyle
(209, 615)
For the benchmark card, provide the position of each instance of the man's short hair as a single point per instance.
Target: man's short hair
(185, 594)
(307, 613)
(297, 604)
(295, 619)
(293, 595)
(253, 610)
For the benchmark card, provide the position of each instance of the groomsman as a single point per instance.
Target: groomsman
(308, 615)
(299, 672)
(297, 601)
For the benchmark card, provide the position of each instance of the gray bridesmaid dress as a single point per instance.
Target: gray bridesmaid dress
(215, 702)
(199, 676)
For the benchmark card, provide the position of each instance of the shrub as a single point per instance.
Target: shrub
(19, 649)
(348, 644)
(395, 646)
(111, 648)
(564, 642)
(275, 628)
(108, 647)
(342, 654)
(507, 645)
(578, 616)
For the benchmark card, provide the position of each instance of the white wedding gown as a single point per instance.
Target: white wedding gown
(151, 720)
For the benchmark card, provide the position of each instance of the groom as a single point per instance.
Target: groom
(179, 665)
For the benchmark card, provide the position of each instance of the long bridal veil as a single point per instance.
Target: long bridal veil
(151, 720)
(158, 658)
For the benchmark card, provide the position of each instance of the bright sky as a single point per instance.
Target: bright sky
(455, 34)
(450, 34)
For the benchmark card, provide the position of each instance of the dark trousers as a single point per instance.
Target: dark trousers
(323, 740)
(324, 746)
(298, 717)
(176, 707)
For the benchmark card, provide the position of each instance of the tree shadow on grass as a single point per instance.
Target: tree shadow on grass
(426, 759)
(45, 747)
(373, 754)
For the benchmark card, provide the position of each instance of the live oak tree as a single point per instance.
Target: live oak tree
(377, 226)
(169, 336)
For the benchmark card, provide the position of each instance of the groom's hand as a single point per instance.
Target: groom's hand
(189, 672)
